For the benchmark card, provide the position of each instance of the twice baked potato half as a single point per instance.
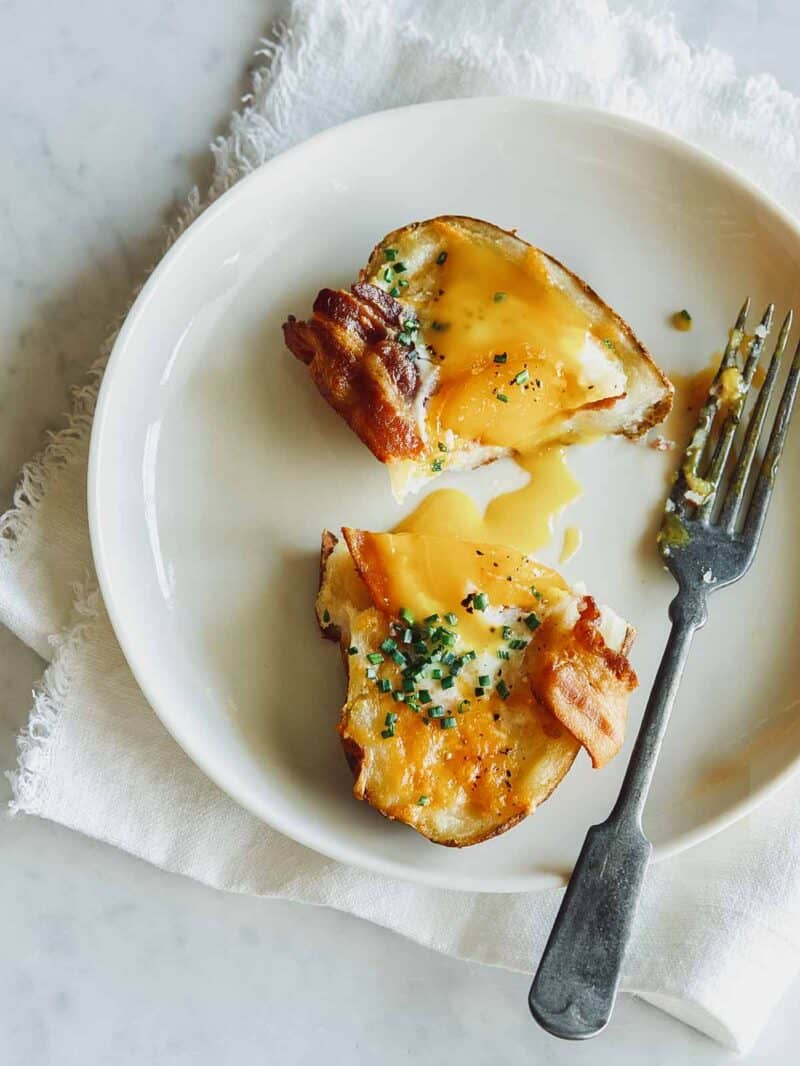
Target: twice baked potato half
(475, 675)
(460, 343)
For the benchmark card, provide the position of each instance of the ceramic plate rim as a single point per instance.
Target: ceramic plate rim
(323, 842)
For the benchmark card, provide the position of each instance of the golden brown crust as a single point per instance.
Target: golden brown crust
(350, 347)
(663, 405)
(583, 682)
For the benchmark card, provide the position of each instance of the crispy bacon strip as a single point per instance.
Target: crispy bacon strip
(582, 682)
(365, 374)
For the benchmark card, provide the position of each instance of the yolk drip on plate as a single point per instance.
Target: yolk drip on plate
(573, 538)
(522, 519)
(514, 356)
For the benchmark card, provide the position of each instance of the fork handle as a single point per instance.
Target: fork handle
(575, 986)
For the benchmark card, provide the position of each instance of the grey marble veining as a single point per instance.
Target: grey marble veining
(107, 109)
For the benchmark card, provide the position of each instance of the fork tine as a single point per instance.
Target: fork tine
(765, 483)
(688, 472)
(731, 423)
(738, 485)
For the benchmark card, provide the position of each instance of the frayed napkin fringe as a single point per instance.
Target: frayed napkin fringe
(35, 741)
(251, 142)
(61, 448)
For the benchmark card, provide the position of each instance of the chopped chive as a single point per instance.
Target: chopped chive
(423, 801)
(437, 711)
(402, 283)
(436, 673)
(447, 638)
(352, 650)
(484, 680)
(405, 338)
(442, 446)
(502, 689)
(464, 706)
(399, 658)
(501, 357)
(429, 621)
(387, 733)
(499, 296)
(390, 718)
(448, 658)
(468, 656)
(388, 645)
(326, 616)
(536, 592)
(517, 645)
(503, 654)
(412, 705)
(501, 396)
(400, 267)
(448, 723)
(385, 684)
(390, 253)
(372, 673)
(406, 615)
(479, 691)
(375, 657)
(508, 632)
(441, 258)
(521, 378)
(424, 696)
(408, 685)
(448, 682)
(394, 291)
(451, 619)
(437, 465)
(387, 274)
(480, 601)
(398, 696)
(533, 621)
(408, 636)
(420, 647)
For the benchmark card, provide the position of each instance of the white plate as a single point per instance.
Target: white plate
(215, 465)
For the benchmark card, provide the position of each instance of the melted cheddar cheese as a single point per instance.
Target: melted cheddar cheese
(502, 752)
(443, 723)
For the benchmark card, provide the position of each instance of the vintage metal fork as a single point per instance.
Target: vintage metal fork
(705, 546)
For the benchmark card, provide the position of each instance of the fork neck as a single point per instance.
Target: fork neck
(689, 609)
(688, 612)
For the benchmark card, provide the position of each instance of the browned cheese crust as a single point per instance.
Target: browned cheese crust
(573, 693)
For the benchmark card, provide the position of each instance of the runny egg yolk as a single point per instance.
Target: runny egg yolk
(513, 350)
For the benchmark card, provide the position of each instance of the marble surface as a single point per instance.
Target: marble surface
(107, 109)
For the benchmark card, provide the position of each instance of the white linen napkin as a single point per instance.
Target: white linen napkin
(718, 939)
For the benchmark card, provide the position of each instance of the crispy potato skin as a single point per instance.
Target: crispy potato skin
(365, 374)
(349, 345)
(577, 686)
(662, 403)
